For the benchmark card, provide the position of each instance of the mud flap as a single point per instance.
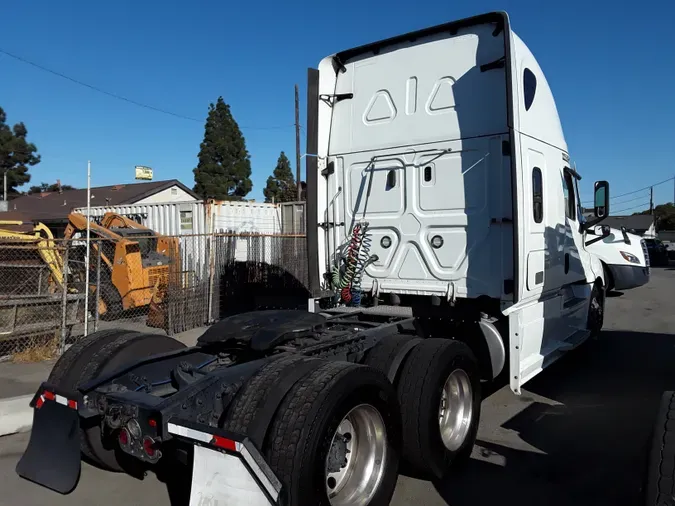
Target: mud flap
(227, 468)
(52, 458)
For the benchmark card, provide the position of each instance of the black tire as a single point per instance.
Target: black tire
(251, 396)
(596, 310)
(382, 355)
(68, 371)
(419, 386)
(301, 434)
(68, 368)
(659, 487)
(116, 353)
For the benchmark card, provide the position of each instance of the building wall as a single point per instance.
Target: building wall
(172, 194)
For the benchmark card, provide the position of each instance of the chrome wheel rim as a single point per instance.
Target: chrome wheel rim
(355, 464)
(455, 410)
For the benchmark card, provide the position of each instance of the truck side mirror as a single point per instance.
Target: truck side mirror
(601, 200)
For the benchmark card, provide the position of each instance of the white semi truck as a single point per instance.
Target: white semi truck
(445, 249)
(624, 258)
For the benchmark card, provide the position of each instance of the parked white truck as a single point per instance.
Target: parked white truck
(445, 248)
(624, 257)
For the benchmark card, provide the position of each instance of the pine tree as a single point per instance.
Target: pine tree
(16, 154)
(281, 184)
(224, 168)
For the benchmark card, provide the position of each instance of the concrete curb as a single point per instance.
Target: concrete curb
(15, 415)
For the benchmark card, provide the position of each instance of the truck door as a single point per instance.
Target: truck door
(574, 297)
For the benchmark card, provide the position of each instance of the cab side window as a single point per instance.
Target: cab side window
(568, 192)
(537, 195)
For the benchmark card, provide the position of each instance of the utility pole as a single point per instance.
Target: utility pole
(651, 200)
(86, 258)
(297, 142)
(4, 185)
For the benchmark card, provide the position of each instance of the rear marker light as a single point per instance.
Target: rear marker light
(224, 443)
(124, 437)
(152, 422)
(49, 395)
(72, 404)
(148, 446)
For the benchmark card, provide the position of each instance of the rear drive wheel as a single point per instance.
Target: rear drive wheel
(68, 370)
(335, 440)
(385, 352)
(115, 354)
(253, 394)
(439, 393)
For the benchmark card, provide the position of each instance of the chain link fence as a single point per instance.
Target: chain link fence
(37, 310)
(141, 282)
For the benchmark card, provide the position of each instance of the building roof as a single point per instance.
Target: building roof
(56, 206)
(27, 225)
(635, 222)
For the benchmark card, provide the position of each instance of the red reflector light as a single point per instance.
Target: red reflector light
(124, 437)
(148, 446)
(49, 395)
(224, 443)
(39, 403)
(72, 404)
(152, 422)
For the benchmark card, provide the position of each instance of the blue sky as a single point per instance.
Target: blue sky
(610, 67)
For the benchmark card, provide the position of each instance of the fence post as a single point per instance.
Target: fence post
(168, 304)
(211, 268)
(64, 302)
(98, 286)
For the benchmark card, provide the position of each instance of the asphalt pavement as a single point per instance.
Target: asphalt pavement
(577, 435)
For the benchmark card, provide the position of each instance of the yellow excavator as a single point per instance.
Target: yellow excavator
(31, 274)
(25, 249)
(135, 261)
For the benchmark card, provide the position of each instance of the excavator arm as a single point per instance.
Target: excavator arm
(165, 245)
(78, 222)
(43, 239)
(114, 220)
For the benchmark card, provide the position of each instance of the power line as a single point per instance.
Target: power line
(124, 99)
(630, 200)
(643, 189)
(631, 208)
(636, 191)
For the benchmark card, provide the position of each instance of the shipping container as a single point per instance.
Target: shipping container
(196, 220)
(199, 217)
(293, 218)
